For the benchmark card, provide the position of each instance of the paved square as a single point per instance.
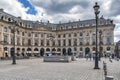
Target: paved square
(36, 69)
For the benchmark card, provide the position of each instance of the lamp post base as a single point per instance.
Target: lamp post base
(13, 63)
(96, 68)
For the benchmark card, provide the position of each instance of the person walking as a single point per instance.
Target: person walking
(90, 56)
(87, 56)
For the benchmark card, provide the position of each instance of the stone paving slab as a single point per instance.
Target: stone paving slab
(113, 68)
(36, 69)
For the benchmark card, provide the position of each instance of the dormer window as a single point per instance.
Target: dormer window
(9, 19)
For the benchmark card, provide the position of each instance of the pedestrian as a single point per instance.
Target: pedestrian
(90, 56)
(105, 55)
(110, 58)
(87, 56)
(93, 56)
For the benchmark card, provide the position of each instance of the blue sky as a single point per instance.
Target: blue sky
(63, 10)
(26, 4)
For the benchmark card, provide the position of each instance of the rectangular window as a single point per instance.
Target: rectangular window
(42, 42)
(64, 42)
(18, 41)
(75, 34)
(36, 42)
(23, 34)
(108, 40)
(5, 39)
(64, 35)
(81, 41)
(42, 35)
(69, 42)
(23, 42)
(69, 35)
(36, 34)
(59, 43)
(5, 29)
(59, 36)
(12, 40)
(29, 34)
(75, 42)
(48, 43)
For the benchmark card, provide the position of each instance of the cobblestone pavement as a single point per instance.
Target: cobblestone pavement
(36, 69)
(113, 68)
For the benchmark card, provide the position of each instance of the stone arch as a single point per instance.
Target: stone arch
(64, 51)
(87, 50)
(18, 50)
(42, 52)
(58, 49)
(5, 51)
(36, 51)
(23, 51)
(29, 52)
(47, 49)
(69, 51)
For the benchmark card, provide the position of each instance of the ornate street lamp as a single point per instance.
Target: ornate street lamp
(96, 9)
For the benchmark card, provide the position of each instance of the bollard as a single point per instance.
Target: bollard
(109, 78)
(105, 68)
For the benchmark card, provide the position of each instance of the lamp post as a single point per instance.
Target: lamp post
(96, 7)
(100, 42)
(13, 56)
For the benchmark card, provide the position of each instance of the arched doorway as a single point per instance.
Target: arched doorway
(29, 52)
(53, 51)
(6, 52)
(42, 52)
(18, 50)
(12, 51)
(69, 51)
(48, 50)
(36, 52)
(23, 51)
(87, 50)
(64, 51)
(58, 51)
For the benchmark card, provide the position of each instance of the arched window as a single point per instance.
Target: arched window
(9, 19)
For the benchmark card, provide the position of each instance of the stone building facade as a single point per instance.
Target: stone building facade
(34, 38)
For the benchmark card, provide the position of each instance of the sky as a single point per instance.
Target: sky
(63, 10)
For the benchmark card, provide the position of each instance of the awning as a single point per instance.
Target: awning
(6, 51)
(108, 51)
(29, 52)
(36, 51)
